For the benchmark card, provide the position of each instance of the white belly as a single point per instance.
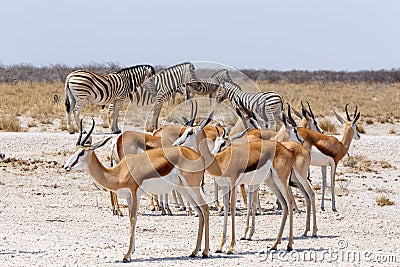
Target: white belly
(161, 185)
(257, 176)
(320, 159)
(123, 193)
(222, 181)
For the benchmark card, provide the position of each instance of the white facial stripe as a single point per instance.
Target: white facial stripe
(73, 160)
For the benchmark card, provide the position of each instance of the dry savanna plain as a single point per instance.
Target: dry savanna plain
(52, 218)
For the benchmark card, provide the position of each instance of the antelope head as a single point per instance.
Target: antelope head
(83, 150)
(350, 123)
(190, 137)
(223, 141)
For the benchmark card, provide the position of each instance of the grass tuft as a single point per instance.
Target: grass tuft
(384, 201)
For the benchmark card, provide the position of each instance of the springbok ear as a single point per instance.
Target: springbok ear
(297, 113)
(100, 144)
(340, 119)
(228, 129)
(181, 120)
(206, 120)
(356, 118)
(239, 135)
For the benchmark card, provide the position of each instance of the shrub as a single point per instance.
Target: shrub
(328, 126)
(384, 201)
(10, 124)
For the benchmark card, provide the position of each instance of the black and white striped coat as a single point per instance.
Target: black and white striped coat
(271, 101)
(210, 86)
(83, 86)
(165, 83)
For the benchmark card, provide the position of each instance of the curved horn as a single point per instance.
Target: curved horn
(347, 113)
(88, 135)
(224, 132)
(355, 112)
(78, 143)
(218, 134)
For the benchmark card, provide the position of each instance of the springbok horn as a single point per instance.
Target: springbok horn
(347, 113)
(223, 132)
(218, 134)
(78, 143)
(88, 135)
(355, 112)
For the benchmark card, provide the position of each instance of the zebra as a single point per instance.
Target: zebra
(165, 83)
(208, 86)
(271, 101)
(83, 86)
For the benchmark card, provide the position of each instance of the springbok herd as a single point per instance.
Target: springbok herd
(176, 157)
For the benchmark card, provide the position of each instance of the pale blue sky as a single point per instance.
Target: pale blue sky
(280, 35)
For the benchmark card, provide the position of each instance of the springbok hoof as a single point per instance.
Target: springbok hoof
(322, 208)
(192, 255)
(125, 260)
(229, 252)
(289, 249)
(243, 238)
(334, 209)
(204, 256)
(218, 251)
(116, 132)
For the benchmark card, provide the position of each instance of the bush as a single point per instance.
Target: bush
(10, 124)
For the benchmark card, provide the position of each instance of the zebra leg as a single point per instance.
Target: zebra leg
(69, 107)
(117, 107)
(156, 113)
(76, 115)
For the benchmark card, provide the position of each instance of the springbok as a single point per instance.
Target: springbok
(249, 163)
(156, 171)
(328, 150)
(298, 179)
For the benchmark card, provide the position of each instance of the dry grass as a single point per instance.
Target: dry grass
(35, 100)
(316, 187)
(10, 123)
(362, 164)
(327, 126)
(369, 121)
(384, 201)
(371, 99)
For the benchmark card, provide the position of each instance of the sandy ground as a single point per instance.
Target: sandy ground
(50, 217)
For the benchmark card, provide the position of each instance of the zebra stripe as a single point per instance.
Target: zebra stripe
(165, 83)
(210, 85)
(271, 101)
(83, 86)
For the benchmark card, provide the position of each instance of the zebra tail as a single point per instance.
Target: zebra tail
(67, 102)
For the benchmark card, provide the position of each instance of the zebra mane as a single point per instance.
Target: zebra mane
(178, 65)
(137, 66)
